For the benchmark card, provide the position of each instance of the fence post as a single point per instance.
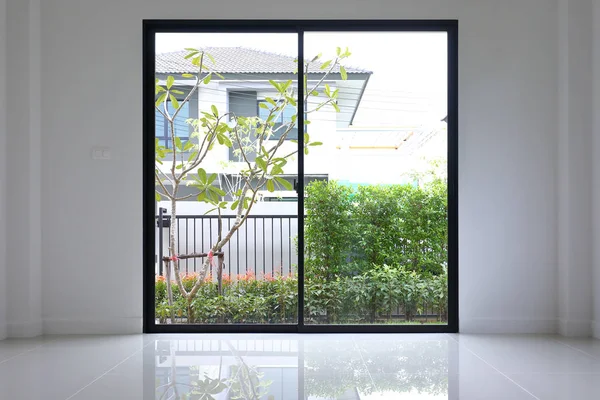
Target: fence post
(160, 239)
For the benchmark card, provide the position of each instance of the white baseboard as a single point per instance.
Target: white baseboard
(574, 328)
(99, 326)
(507, 326)
(26, 329)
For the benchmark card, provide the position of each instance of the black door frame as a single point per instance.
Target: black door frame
(151, 27)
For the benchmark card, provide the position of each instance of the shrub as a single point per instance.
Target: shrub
(328, 229)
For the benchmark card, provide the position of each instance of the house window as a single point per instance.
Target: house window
(285, 117)
(182, 128)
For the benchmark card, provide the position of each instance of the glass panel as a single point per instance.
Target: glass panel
(226, 254)
(376, 232)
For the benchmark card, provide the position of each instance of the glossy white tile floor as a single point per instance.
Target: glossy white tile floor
(266, 367)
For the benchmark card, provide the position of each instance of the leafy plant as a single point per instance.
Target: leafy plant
(261, 163)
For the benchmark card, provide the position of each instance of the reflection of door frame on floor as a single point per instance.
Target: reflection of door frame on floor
(151, 27)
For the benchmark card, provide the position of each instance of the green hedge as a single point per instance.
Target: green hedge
(368, 254)
(372, 297)
(348, 232)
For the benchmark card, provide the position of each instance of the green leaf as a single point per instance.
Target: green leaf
(275, 85)
(316, 144)
(212, 178)
(270, 186)
(178, 143)
(157, 196)
(211, 58)
(201, 196)
(192, 156)
(343, 72)
(206, 80)
(261, 163)
(202, 175)
(235, 204)
(175, 91)
(159, 89)
(227, 141)
(160, 99)
(284, 183)
(170, 81)
(326, 64)
(214, 110)
(327, 90)
(314, 93)
(187, 75)
(174, 101)
(338, 50)
(334, 105)
(188, 145)
(217, 190)
(263, 105)
(270, 100)
(276, 170)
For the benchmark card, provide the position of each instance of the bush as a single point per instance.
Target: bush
(398, 225)
(371, 297)
(328, 229)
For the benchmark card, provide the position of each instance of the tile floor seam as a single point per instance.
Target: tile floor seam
(27, 351)
(363, 361)
(496, 369)
(557, 340)
(109, 370)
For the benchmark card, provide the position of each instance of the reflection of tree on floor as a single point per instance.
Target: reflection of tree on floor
(243, 370)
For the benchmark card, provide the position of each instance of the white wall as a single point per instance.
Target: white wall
(575, 120)
(596, 169)
(23, 169)
(91, 213)
(3, 297)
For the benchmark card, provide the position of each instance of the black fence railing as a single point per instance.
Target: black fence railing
(264, 244)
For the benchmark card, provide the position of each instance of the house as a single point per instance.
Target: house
(245, 85)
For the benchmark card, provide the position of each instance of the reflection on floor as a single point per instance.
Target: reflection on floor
(310, 367)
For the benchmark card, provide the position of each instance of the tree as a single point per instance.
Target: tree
(247, 135)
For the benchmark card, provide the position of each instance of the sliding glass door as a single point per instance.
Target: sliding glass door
(300, 176)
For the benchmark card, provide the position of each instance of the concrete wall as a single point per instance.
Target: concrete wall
(512, 131)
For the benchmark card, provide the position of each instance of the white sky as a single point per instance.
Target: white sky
(409, 82)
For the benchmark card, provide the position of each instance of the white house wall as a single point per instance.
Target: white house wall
(508, 182)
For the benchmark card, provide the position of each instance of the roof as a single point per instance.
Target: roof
(238, 60)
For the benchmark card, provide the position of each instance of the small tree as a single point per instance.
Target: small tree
(248, 135)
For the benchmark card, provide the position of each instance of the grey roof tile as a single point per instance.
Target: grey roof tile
(237, 60)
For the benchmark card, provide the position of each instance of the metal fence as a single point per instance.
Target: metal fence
(264, 244)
